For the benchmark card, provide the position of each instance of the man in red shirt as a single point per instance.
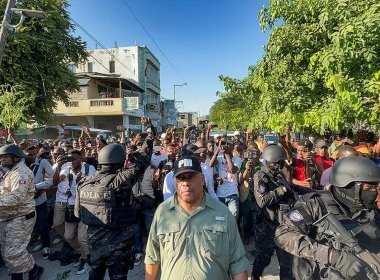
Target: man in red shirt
(322, 155)
(306, 171)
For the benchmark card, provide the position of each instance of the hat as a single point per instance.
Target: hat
(200, 150)
(217, 135)
(362, 149)
(321, 143)
(186, 164)
(236, 133)
(163, 135)
(190, 147)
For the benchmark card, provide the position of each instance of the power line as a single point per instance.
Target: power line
(96, 41)
(100, 44)
(154, 41)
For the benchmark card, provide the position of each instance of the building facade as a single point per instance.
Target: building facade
(117, 87)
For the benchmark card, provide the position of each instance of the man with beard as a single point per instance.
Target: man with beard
(17, 214)
(329, 232)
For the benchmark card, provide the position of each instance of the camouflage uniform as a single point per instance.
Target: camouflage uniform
(17, 217)
(310, 241)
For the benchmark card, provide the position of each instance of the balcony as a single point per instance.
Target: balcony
(101, 107)
(93, 107)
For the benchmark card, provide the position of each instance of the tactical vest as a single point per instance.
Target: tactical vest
(101, 205)
(275, 212)
(366, 235)
(325, 232)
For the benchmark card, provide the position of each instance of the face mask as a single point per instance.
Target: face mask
(368, 198)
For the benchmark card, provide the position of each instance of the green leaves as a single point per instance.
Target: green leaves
(14, 103)
(37, 55)
(321, 66)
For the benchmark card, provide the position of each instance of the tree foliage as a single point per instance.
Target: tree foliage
(14, 102)
(321, 67)
(37, 55)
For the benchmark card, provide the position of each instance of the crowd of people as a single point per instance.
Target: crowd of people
(192, 201)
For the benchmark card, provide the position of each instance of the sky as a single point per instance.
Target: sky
(201, 38)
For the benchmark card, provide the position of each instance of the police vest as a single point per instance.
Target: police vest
(277, 211)
(101, 205)
(367, 234)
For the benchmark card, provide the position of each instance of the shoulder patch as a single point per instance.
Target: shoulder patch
(22, 182)
(295, 216)
(262, 188)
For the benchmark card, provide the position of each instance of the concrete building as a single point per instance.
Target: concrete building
(187, 119)
(168, 113)
(117, 87)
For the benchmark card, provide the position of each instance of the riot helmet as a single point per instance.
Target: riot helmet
(347, 177)
(112, 154)
(274, 157)
(274, 154)
(354, 169)
(12, 149)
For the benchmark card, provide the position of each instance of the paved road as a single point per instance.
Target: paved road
(53, 271)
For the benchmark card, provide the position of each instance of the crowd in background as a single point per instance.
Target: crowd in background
(228, 165)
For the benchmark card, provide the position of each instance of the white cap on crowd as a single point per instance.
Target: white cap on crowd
(163, 135)
(236, 133)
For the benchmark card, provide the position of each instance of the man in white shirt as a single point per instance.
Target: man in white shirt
(74, 233)
(228, 168)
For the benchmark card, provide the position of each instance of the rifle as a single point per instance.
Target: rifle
(347, 238)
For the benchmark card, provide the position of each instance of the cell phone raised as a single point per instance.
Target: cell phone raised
(270, 139)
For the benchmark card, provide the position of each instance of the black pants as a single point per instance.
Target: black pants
(118, 263)
(42, 224)
(265, 247)
(117, 268)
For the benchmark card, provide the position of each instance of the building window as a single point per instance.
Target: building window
(112, 66)
(89, 67)
(72, 68)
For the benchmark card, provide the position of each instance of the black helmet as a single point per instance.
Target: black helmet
(354, 169)
(111, 154)
(274, 153)
(12, 149)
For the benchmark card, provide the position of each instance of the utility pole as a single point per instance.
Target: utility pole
(4, 26)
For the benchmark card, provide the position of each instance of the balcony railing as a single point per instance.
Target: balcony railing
(98, 107)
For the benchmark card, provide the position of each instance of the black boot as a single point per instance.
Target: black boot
(36, 272)
(16, 276)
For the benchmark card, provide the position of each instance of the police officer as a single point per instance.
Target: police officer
(316, 229)
(17, 214)
(104, 203)
(274, 195)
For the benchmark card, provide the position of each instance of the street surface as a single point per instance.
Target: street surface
(53, 271)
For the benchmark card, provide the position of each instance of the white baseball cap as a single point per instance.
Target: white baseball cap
(163, 135)
(236, 133)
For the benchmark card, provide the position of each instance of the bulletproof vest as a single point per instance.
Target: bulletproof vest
(277, 211)
(366, 232)
(101, 205)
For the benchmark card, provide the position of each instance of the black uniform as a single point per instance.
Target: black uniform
(275, 199)
(329, 232)
(105, 203)
(310, 241)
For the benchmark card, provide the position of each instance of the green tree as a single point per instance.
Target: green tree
(37, 56)
(320, 68)
(14, 103)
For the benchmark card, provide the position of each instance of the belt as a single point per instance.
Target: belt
(30, 215)
(61, 203)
